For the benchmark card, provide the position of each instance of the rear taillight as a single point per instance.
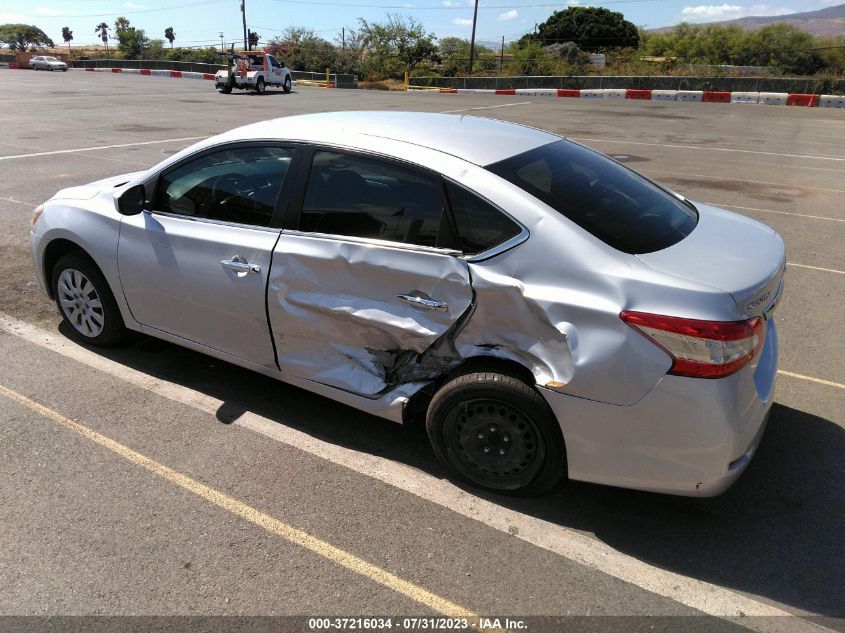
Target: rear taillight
(701, 349)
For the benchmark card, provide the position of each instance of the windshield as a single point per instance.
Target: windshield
(613, 203)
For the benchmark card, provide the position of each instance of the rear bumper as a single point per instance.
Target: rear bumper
(687, 436)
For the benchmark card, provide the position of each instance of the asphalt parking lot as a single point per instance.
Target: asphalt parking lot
(276, 502)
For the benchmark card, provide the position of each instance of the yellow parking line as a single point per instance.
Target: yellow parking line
(829, 383)
(287, 532)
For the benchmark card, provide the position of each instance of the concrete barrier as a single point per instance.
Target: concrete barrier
(690, 95)
(832, 101)
(614, 93)
(596, 93)
(664, 95)
(773, 98)
(644, 95)
(536, 92)
(568, 92)
(506, 91)
(715, 96)
(745, 97)
(798, 99)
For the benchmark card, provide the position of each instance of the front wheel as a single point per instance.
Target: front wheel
(225, 90)
(287, 85)
(259, 86)
(497, 433)
(86, 302)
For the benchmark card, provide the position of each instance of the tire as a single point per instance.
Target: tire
(497, 433)
(89, 309)
(225, 90)
(64, 70)
(259, 86)
(287, 85)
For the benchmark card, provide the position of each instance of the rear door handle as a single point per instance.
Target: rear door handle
(241, 267)
(421, 300)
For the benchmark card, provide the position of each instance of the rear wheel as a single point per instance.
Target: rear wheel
(498, 433)
(287, 84)
(86, 302)
(225, 90)
(259, 86)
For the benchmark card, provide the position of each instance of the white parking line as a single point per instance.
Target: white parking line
(800, 215)
(702, 148)
(501, 105)
(827, 270)
(742, 180)
(828, 383)
(99, 147)
(706, 597)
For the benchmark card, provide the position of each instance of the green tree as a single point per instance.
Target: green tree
(132, 42)
(169, 35)
(529, 58)
(302, 50)
(591, 28)
(19, 37)
(120, 24)
(103, 30)
(252, 39)
(454, 56)
(394, 45)
(67, 36)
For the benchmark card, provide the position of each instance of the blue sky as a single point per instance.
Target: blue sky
(199, 22)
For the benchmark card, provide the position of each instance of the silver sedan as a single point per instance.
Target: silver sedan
(47, 62)
(544, 310)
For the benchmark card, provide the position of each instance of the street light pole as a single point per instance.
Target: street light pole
(243, 13)
(472, 41)
(222, 50)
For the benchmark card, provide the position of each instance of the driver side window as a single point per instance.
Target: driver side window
(238, 184)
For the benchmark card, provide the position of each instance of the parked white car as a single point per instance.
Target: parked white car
(547, 310)
(46, 62)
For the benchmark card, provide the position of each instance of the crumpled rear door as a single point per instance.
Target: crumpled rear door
(345, 313)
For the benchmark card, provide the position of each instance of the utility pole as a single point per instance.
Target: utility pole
(344, 38)
(502, 55)
(243, 13)
(222, 50)
(472, 41)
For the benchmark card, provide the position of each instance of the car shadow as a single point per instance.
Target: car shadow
(777, 533)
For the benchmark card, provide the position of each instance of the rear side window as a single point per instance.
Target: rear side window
(618, 206)
(358, 196)
(480, 225)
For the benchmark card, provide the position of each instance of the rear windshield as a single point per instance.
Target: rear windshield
(613, 203)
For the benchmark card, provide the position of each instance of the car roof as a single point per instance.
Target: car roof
(475, 139)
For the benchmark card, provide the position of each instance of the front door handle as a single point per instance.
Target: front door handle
(240, 266)
(419, 299)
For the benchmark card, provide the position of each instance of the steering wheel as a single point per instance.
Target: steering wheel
(229, 186)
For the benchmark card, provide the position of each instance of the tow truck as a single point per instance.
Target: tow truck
(252, 70)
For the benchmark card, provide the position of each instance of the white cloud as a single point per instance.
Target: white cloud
(12, 17)
(713, 12)
(450, 3)
(132, 5)
(462, 22)
(508, 15)
(573, 3)
(47, 11)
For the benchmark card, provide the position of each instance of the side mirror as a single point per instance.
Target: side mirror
(282, 64)
(132, 201)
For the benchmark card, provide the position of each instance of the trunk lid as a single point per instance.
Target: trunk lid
(731, 252)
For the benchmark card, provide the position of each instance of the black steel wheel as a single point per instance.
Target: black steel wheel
(259, 86)
(496, 432)
(287, 85)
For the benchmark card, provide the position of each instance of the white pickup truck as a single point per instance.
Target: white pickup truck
(251, 70)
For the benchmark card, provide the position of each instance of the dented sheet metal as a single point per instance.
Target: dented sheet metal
(336, 317)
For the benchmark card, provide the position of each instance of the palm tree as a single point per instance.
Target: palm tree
(103, 29)
(67, 34)
(170, 35)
